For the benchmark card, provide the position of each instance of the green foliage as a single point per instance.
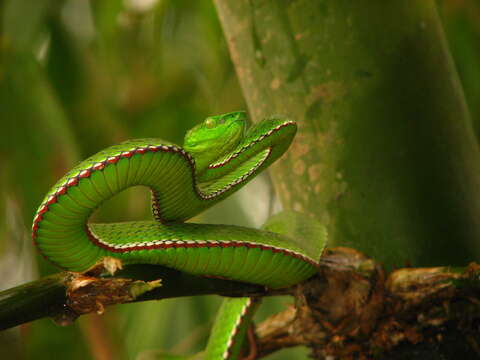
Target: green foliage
(76, 77)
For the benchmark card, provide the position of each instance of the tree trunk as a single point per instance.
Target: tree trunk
(385, 155)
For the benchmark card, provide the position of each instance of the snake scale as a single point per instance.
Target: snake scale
(217, 159)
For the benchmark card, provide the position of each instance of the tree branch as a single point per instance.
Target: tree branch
(66, 295)
(350, 309)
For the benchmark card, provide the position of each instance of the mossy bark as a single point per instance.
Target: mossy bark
(385, 155)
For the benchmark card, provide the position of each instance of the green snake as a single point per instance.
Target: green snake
(217, 159)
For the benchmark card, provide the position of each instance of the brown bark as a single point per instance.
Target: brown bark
(352, 311)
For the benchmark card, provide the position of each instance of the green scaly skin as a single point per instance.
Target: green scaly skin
(216, 161)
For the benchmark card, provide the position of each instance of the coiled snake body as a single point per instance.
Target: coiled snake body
(217, 159)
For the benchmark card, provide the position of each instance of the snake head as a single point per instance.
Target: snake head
(214, 138)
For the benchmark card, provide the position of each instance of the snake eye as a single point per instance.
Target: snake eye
(210, 123)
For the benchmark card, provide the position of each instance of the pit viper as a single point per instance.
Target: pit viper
(218, 157)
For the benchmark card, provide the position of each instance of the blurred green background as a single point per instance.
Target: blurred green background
(77, 76)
